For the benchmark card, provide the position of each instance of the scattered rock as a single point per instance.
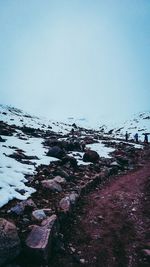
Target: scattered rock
(71, 160)
(39, 241)
(9, 241)
(65, 205)
(60, 180)
(73, 198)
(146, 252)
(91, 156)
(2, 139)
(24, 206)
(82, 261)
(38, 215)
(51, 185)
(18, 209)
(56, 152)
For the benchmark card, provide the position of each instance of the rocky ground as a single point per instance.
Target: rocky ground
(111, 224)
(94, 213)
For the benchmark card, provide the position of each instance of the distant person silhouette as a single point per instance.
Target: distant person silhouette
(72, 132)
(126, 136)
(146, 138)
(136, 137)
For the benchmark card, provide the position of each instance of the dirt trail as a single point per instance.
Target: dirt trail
(112, 225)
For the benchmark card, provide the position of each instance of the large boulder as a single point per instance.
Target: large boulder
(69, 161)
(56, 152)
(91, 156)
(39, 241)
(9, 241)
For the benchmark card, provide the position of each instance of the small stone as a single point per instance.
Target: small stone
(133, 209)
(146, 252)
(60, 180)
(82, 261)
(65, 204)
(38, 215)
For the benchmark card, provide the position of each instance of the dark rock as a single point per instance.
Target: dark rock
(71, 160)
(6, 129)
(18, 209)
(146, 252)
(74, 125)
(24, 206)
(123, 161)
(20, 156)
(2, 140)
(56, 152)
(91, 156)
(62, 173)
(9, 241)
(39, 241)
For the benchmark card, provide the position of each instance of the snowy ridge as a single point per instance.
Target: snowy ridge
(139, 123)
(17, 117)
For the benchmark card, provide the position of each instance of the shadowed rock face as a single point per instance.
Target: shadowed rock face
(9, 241)
(39, 241)
(56, 152)
(90, 156)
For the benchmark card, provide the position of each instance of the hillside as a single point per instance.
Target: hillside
(46, 168)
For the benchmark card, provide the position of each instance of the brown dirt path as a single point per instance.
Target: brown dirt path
(112, 226)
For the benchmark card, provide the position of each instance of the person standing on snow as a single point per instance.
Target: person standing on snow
(146, 138)
(136, 137)
(126, 136)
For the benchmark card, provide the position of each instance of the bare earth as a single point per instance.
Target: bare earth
(111, 227)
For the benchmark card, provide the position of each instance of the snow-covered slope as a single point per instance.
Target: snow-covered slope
(22, 147)
(17, 117)
(139, 123)
(15, 143)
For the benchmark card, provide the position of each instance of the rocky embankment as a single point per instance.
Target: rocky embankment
(30, 230)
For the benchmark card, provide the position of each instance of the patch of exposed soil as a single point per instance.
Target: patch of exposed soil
(111, 226)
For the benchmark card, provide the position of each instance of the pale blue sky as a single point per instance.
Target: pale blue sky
(82, 58)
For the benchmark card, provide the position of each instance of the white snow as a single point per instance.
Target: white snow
(19, 118)
(79, 157)
(12, 172)
(139, 146)
(101, 149)
(139, 123)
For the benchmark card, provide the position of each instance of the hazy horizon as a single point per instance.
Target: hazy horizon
(82, 59)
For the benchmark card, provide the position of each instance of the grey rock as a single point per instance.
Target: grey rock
(73, 198)
(51, 185)
(38, 215)
(60, 180)
(39, 241)
(20, 208)
(65, 205)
